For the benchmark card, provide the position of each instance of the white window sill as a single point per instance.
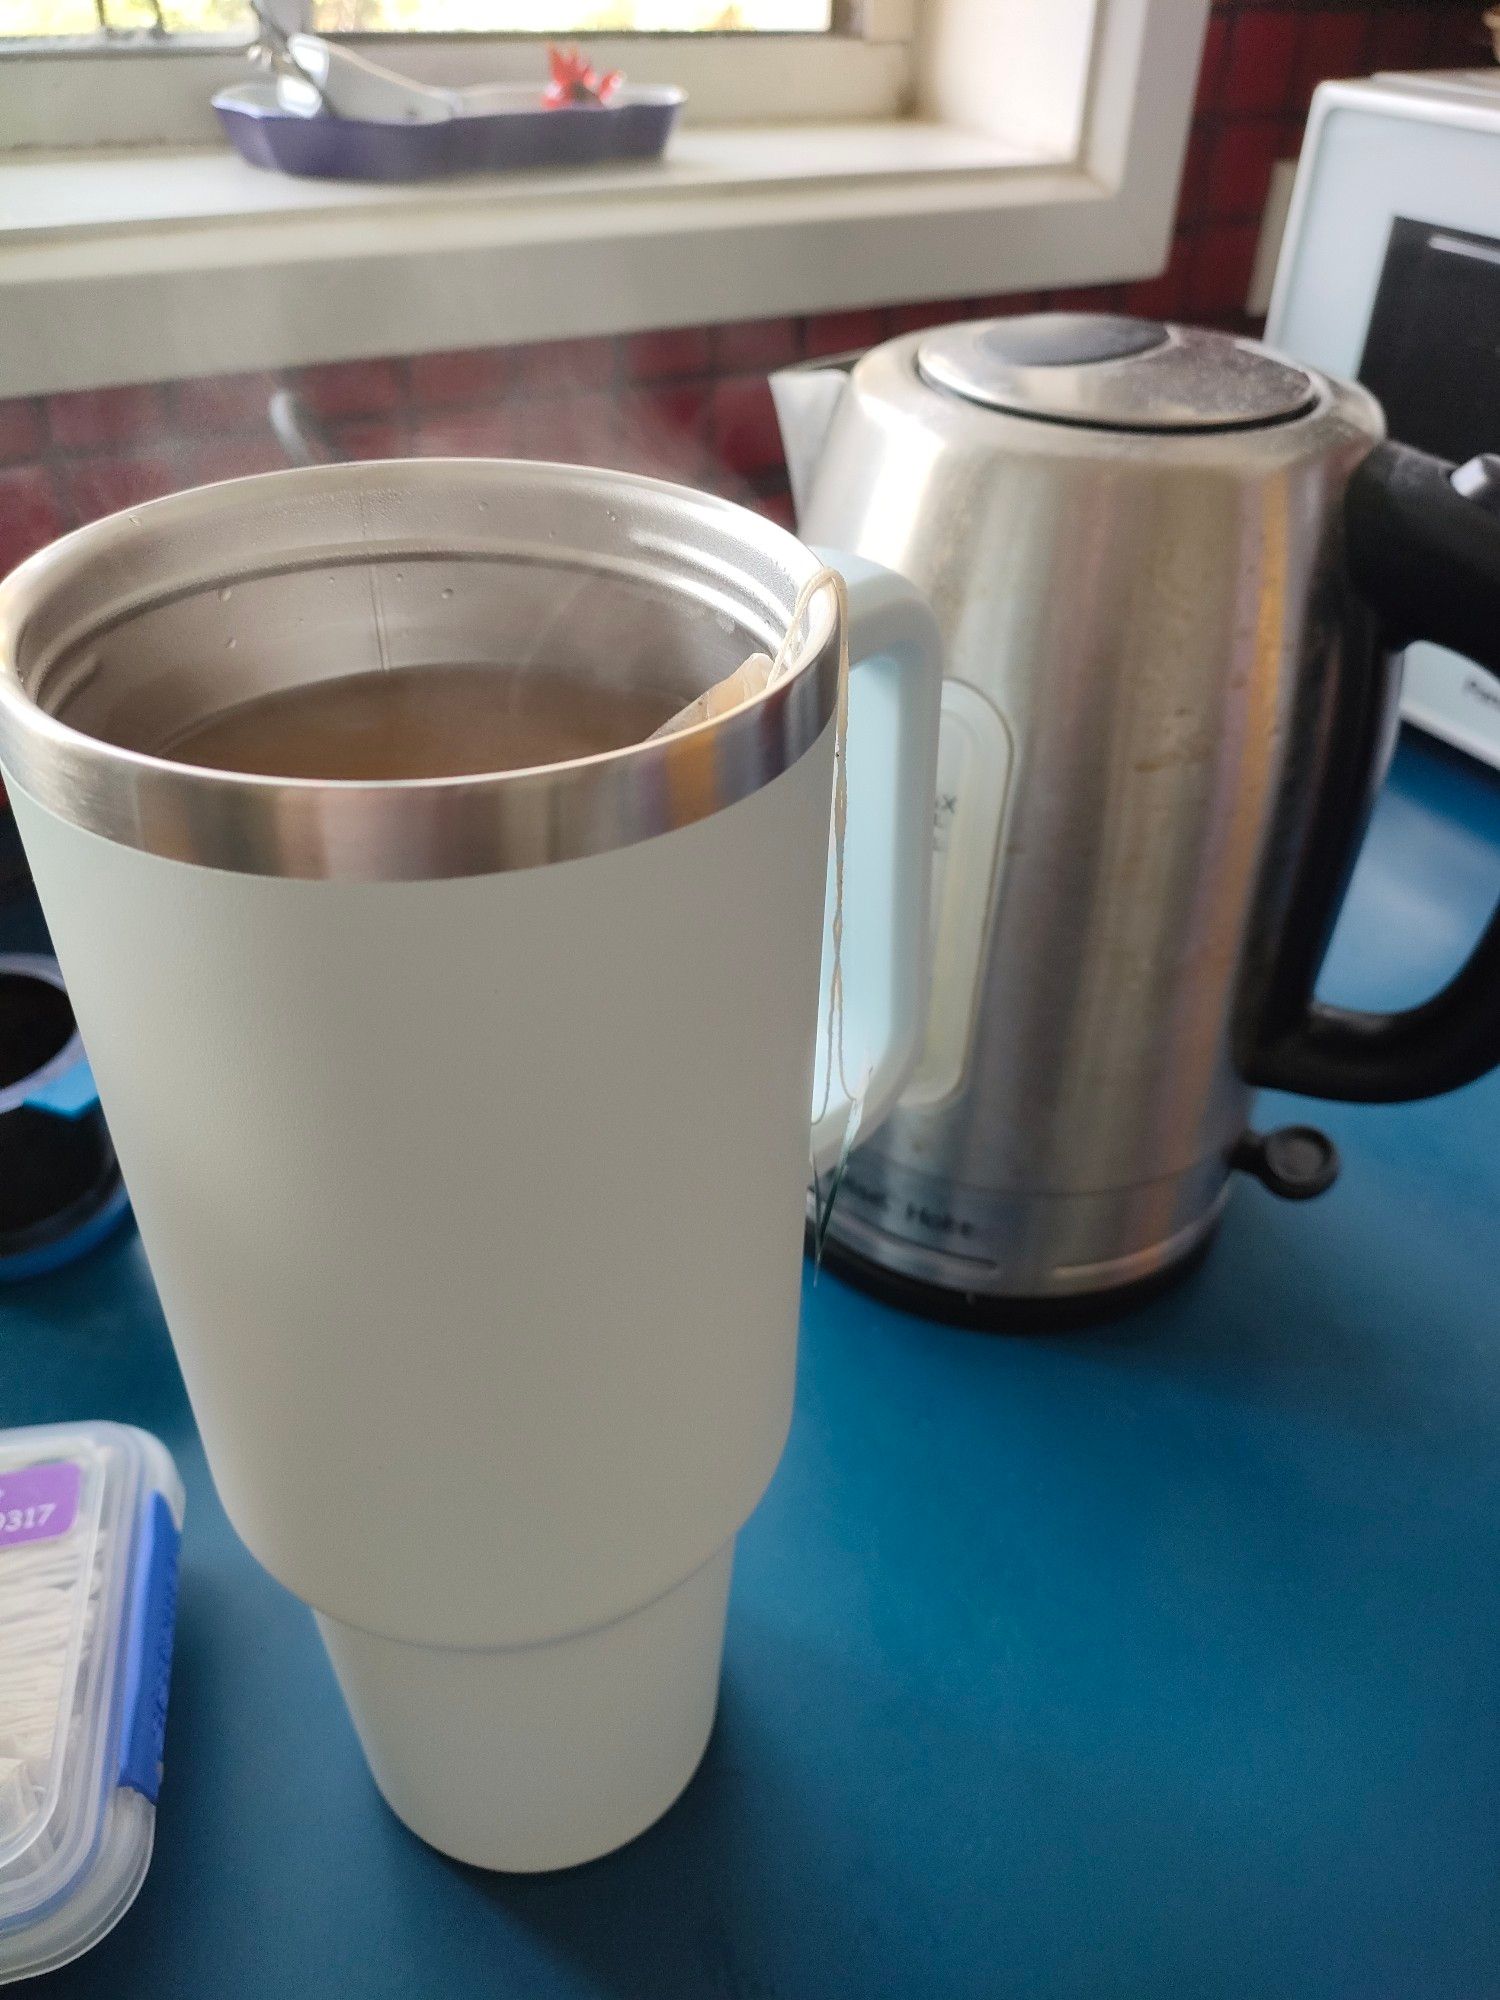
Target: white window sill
(156, 264)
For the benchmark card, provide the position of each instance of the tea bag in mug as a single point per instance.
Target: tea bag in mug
(759, 672)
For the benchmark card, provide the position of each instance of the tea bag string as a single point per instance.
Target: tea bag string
(834, 1065)
(833, 1024)
(751, 678)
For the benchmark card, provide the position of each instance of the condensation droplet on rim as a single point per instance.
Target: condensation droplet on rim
(230, 644)
(399, 577)
(446, 595)
(225, 594)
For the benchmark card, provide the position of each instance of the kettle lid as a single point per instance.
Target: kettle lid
(1100, 371)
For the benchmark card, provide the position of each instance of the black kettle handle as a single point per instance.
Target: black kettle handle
(1423, 545)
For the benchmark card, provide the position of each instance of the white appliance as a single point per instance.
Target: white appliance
(1390, 272)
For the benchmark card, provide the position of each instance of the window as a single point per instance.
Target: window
(64, 81)
(572, 17)
(911, 150)
(60, 19)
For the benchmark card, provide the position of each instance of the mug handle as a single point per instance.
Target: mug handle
(895, 690)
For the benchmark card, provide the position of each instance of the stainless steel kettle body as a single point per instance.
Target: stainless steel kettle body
(1166, 711)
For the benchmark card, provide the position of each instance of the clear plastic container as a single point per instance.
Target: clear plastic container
(90, 1520)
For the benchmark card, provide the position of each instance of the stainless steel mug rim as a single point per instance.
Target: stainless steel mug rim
(671, 537)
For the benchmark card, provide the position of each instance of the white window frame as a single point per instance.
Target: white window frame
(997, 175)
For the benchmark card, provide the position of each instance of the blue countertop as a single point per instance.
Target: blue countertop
(1157, 1661)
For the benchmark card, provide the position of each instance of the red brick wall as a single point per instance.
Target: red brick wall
(692, 403)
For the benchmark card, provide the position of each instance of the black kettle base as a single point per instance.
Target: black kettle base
(984, 1312)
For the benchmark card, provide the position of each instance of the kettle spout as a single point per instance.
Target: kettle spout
(806, 397)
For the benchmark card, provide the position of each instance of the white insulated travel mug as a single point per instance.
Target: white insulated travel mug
(466, 1120)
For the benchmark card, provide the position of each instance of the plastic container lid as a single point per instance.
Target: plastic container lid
(90, 1520)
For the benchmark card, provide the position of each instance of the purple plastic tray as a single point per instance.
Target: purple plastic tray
(635, 126)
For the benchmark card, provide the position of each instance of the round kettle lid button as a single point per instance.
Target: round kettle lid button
(1101, 371)
(1069, 340)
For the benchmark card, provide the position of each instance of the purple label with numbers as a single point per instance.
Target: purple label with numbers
(38, 1502)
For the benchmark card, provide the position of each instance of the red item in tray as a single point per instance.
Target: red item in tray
(574, 80)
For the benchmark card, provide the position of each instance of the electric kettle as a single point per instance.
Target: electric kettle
(1171, 570)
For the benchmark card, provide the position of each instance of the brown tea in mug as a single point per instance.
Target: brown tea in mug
(421, 722)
